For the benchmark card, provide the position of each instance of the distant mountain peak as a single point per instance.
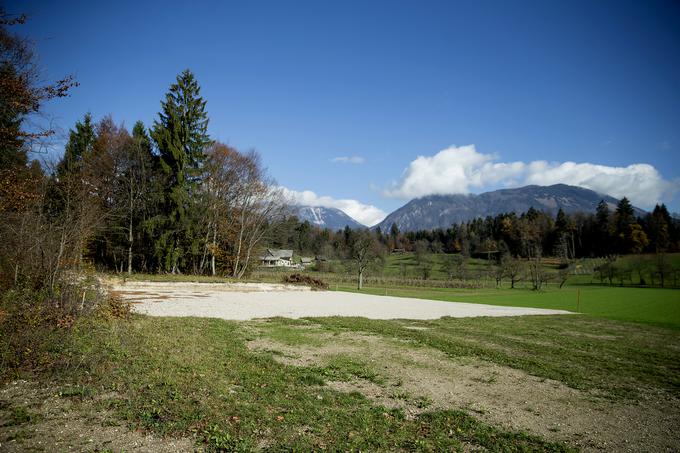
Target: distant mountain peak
(324, 217)
(441, 211)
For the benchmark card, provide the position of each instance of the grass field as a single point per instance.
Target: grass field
(646, 305)
(203, 382)
(355, 384)
(583, 293)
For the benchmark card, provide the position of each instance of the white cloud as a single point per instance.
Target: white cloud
(348, 160)
(461, 169)
(363, 213)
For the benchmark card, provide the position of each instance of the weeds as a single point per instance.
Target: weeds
(36, 326)
(19, 415)
(218, 440)
(344, 368)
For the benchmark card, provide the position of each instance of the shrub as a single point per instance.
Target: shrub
(35, 325)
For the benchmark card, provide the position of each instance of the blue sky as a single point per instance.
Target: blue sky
(482, 91)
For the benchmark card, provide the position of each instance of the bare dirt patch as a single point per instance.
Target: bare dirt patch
(418, 379)
(247, 301)
(37, 418)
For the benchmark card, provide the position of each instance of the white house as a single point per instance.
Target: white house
(277, 258)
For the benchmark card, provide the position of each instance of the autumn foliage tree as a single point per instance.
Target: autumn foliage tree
(243, 206)
(22, 182)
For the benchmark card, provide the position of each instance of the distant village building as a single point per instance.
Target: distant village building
(321, 263)
(277, 258)
(306, 261)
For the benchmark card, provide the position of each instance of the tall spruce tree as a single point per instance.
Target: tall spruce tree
(141, 137)
(659, 226)
(624, 219)
(181, 136)
(602, 244)
(80, 142)
(625, 215)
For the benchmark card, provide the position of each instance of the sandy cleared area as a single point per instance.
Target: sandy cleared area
(246, 301)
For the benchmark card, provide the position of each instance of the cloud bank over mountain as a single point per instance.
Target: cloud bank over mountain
(363, 213)
(460, 170)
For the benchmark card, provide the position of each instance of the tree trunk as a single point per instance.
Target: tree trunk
(361, 279)
(212, 258)
(130, 247)
(240, 243)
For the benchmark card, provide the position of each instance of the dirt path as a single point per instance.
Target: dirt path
(259, 300)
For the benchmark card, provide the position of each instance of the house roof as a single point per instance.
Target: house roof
(273, 254)
(306, 259)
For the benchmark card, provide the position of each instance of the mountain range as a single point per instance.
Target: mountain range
(441, 211)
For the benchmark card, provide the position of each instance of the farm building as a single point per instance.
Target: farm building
(277, 258)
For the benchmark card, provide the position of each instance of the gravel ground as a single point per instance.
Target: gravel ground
(259, 300)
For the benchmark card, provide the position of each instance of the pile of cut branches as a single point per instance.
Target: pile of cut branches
(301, 279)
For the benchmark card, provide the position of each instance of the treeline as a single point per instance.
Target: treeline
(530, 234)
(162, 199)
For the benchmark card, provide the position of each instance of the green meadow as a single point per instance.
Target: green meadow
(645, 305)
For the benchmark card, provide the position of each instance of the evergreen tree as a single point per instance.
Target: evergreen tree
(142, 138)
(659, 228)
(181, 136)
(602, 231)
(563, 241)
(13, 108)
(532, 214)
(602, 215)
(561, 221)
(625, 215)
(394, 231)
(151, 211)
(624, 218)
(80, 142)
